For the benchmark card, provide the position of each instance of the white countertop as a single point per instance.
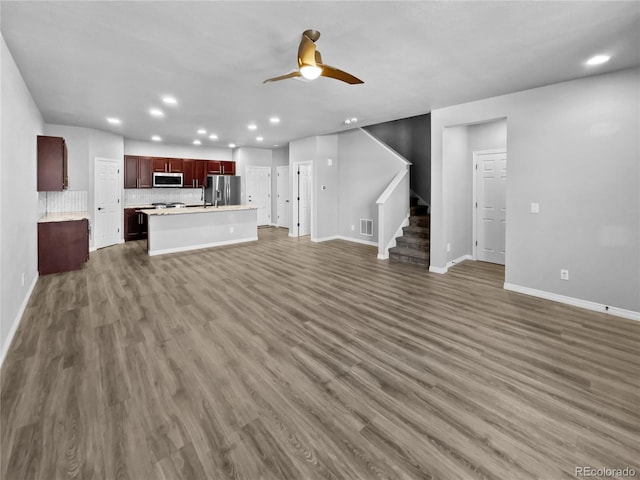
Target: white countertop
(183, 210)
(63, 217)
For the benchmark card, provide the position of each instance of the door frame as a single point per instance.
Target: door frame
(94, 214)
(286, 181)
(268, 205)
(474, 198)
(295, 204)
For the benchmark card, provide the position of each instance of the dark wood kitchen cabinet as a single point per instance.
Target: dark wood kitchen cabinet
(214, 167)
(62, 246)
(52, 164)
(167, 165)
(135, 225)
(228, 167)
(221, 167)
(137, 172)
(195, 173)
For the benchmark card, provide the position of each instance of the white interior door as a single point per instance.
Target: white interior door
(259, 192)
(491, 206)
(283, 204)
(108, 212)
(304, 199)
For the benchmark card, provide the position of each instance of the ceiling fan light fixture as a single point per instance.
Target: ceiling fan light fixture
(310, 72)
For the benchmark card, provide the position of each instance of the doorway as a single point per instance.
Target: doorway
(107, 214)
(283, 203)
(490, 205)
(302, 185)
(259, 192)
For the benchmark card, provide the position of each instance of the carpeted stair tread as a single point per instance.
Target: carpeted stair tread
(418, 243)
(416, 230)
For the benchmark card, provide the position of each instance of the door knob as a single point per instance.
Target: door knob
(100, 208)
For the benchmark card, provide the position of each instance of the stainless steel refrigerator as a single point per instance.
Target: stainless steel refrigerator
(223, 190)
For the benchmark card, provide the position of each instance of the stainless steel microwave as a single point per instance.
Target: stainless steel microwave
(167, 179)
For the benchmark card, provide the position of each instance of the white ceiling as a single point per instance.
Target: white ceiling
(85, 61)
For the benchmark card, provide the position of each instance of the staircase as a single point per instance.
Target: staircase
(413, 245)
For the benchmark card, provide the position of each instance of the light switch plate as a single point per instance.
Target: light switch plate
(329, 162)
(535, 207)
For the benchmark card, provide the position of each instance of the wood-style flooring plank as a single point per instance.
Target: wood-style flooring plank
(288, 359)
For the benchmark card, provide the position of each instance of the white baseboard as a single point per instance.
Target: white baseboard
(458, 260)
(325, 239)
(348, 239)
(384, 256)
(357, 240)
(445, 269)
(291, 234)
(440, 270)
(576, 302)
(16, 322)
(203, 245)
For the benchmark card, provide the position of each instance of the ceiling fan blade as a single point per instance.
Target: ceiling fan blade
(333, 72)
(306, 52)
(295, 73)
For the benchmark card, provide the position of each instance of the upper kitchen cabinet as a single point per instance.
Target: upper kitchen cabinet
(167, 164)
(137, 172)
(228, 168)
(188, 167)
(221, 167)
(52, 164)
(200, 173)
(213, 167)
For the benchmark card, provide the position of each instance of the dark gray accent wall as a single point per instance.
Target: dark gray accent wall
(411, 138)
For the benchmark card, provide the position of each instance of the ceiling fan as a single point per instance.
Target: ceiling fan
(310, 64)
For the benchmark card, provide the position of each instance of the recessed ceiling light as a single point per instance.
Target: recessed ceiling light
(276, 145)
(598, 59)
(202, 131)
(197, 142)
(232, 145)
(213, 136)
(114, 121)
(169, 100)
(252, 126)
(156, 112)
(259, 139)
(156, 138)
(351, 120)
(274, 120)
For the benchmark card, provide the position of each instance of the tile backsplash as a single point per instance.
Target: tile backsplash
(62, 202)
(147, 196)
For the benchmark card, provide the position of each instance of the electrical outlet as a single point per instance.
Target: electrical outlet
(535, 208)
(22, 279)
(230, 229)
(329, 162)
(448, 247)
(564, 274)
(353, 228)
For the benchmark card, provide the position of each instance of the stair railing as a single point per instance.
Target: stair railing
(393, 211)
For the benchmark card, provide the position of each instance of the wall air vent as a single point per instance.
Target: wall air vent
(366, 227)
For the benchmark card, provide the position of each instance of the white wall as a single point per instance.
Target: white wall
(573, 148)
(459, 144)
(303, 150)
(280, 158)
(458, 194)
(21, 124)
(252, 157)
(365, 168)
(326, 201)
(159, 149)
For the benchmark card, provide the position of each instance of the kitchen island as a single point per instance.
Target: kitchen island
(172, 230)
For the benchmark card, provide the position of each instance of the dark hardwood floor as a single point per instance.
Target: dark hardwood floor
(287, 359)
